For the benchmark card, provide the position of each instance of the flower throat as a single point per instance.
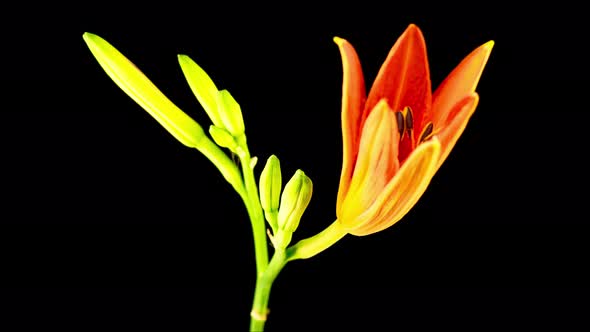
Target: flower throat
(405, 126)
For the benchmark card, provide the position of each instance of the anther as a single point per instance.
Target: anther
(409, 118)
(427, 132)
(401, 125)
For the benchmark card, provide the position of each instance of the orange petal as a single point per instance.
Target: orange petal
(353, 99)
(404, 77)
(377, 163)
(404, 189)
(449, 135)
(460, 83)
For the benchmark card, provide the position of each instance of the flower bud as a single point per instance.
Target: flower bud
(230, 113)
(135, 84)
(223, 138)
(294, 201)
(202, 87)
(270, 190)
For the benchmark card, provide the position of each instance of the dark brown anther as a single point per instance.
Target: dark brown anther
(409, 118)
(399, 117)
(427, 132)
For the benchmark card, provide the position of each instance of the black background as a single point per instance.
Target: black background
(108, 223)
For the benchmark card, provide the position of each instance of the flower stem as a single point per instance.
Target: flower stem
(255, 212)
(228, 169)
(261, 294)
(314, 245)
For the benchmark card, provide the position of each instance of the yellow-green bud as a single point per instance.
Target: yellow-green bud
(270, 190)
(135, 84)
(294, 201)
(223, 138)
(202, 86)
(230, 113)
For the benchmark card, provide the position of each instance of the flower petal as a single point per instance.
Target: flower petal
(461, 114)
(404, 77)
(353, 99)
(377, 163)
(460, 83)
(404, 189)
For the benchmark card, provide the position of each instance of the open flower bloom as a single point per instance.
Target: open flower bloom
(396, 138)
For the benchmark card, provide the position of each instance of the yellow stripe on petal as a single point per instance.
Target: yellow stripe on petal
(135, 84)
(353, 100)
(449, 135)
(377, 163)
(404, 189)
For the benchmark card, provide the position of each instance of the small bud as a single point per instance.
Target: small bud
(223, 138)
(270, 190)
(230, 113)
(294, 201)
(253, 162)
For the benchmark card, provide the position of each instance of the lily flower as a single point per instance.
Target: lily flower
(396, 138)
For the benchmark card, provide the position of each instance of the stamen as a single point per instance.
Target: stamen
(427, 132)
(409, 118)
(409, 125)
(399, 117)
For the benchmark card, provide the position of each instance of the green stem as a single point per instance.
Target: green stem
(303, 249)
(227, 168)
(255, 213)
(263, 286)
(314, 245)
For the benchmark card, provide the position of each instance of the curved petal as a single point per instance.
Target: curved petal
(404, 190)
(377, 163)
(460, 83)
(353, 98)
(461, 114)
(404, 77)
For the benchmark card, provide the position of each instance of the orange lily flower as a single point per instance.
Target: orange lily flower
(395, 139)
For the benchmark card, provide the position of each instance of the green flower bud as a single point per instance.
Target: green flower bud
(223, 138)
(135, 84)
(230, 113)
(202, 86)
(270, 190)
(294, 201)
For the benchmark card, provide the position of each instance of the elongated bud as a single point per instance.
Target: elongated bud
(223, 138)
(202, 87)
(270, 190)
(230, 113)
(294, 201)
(137, 86)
